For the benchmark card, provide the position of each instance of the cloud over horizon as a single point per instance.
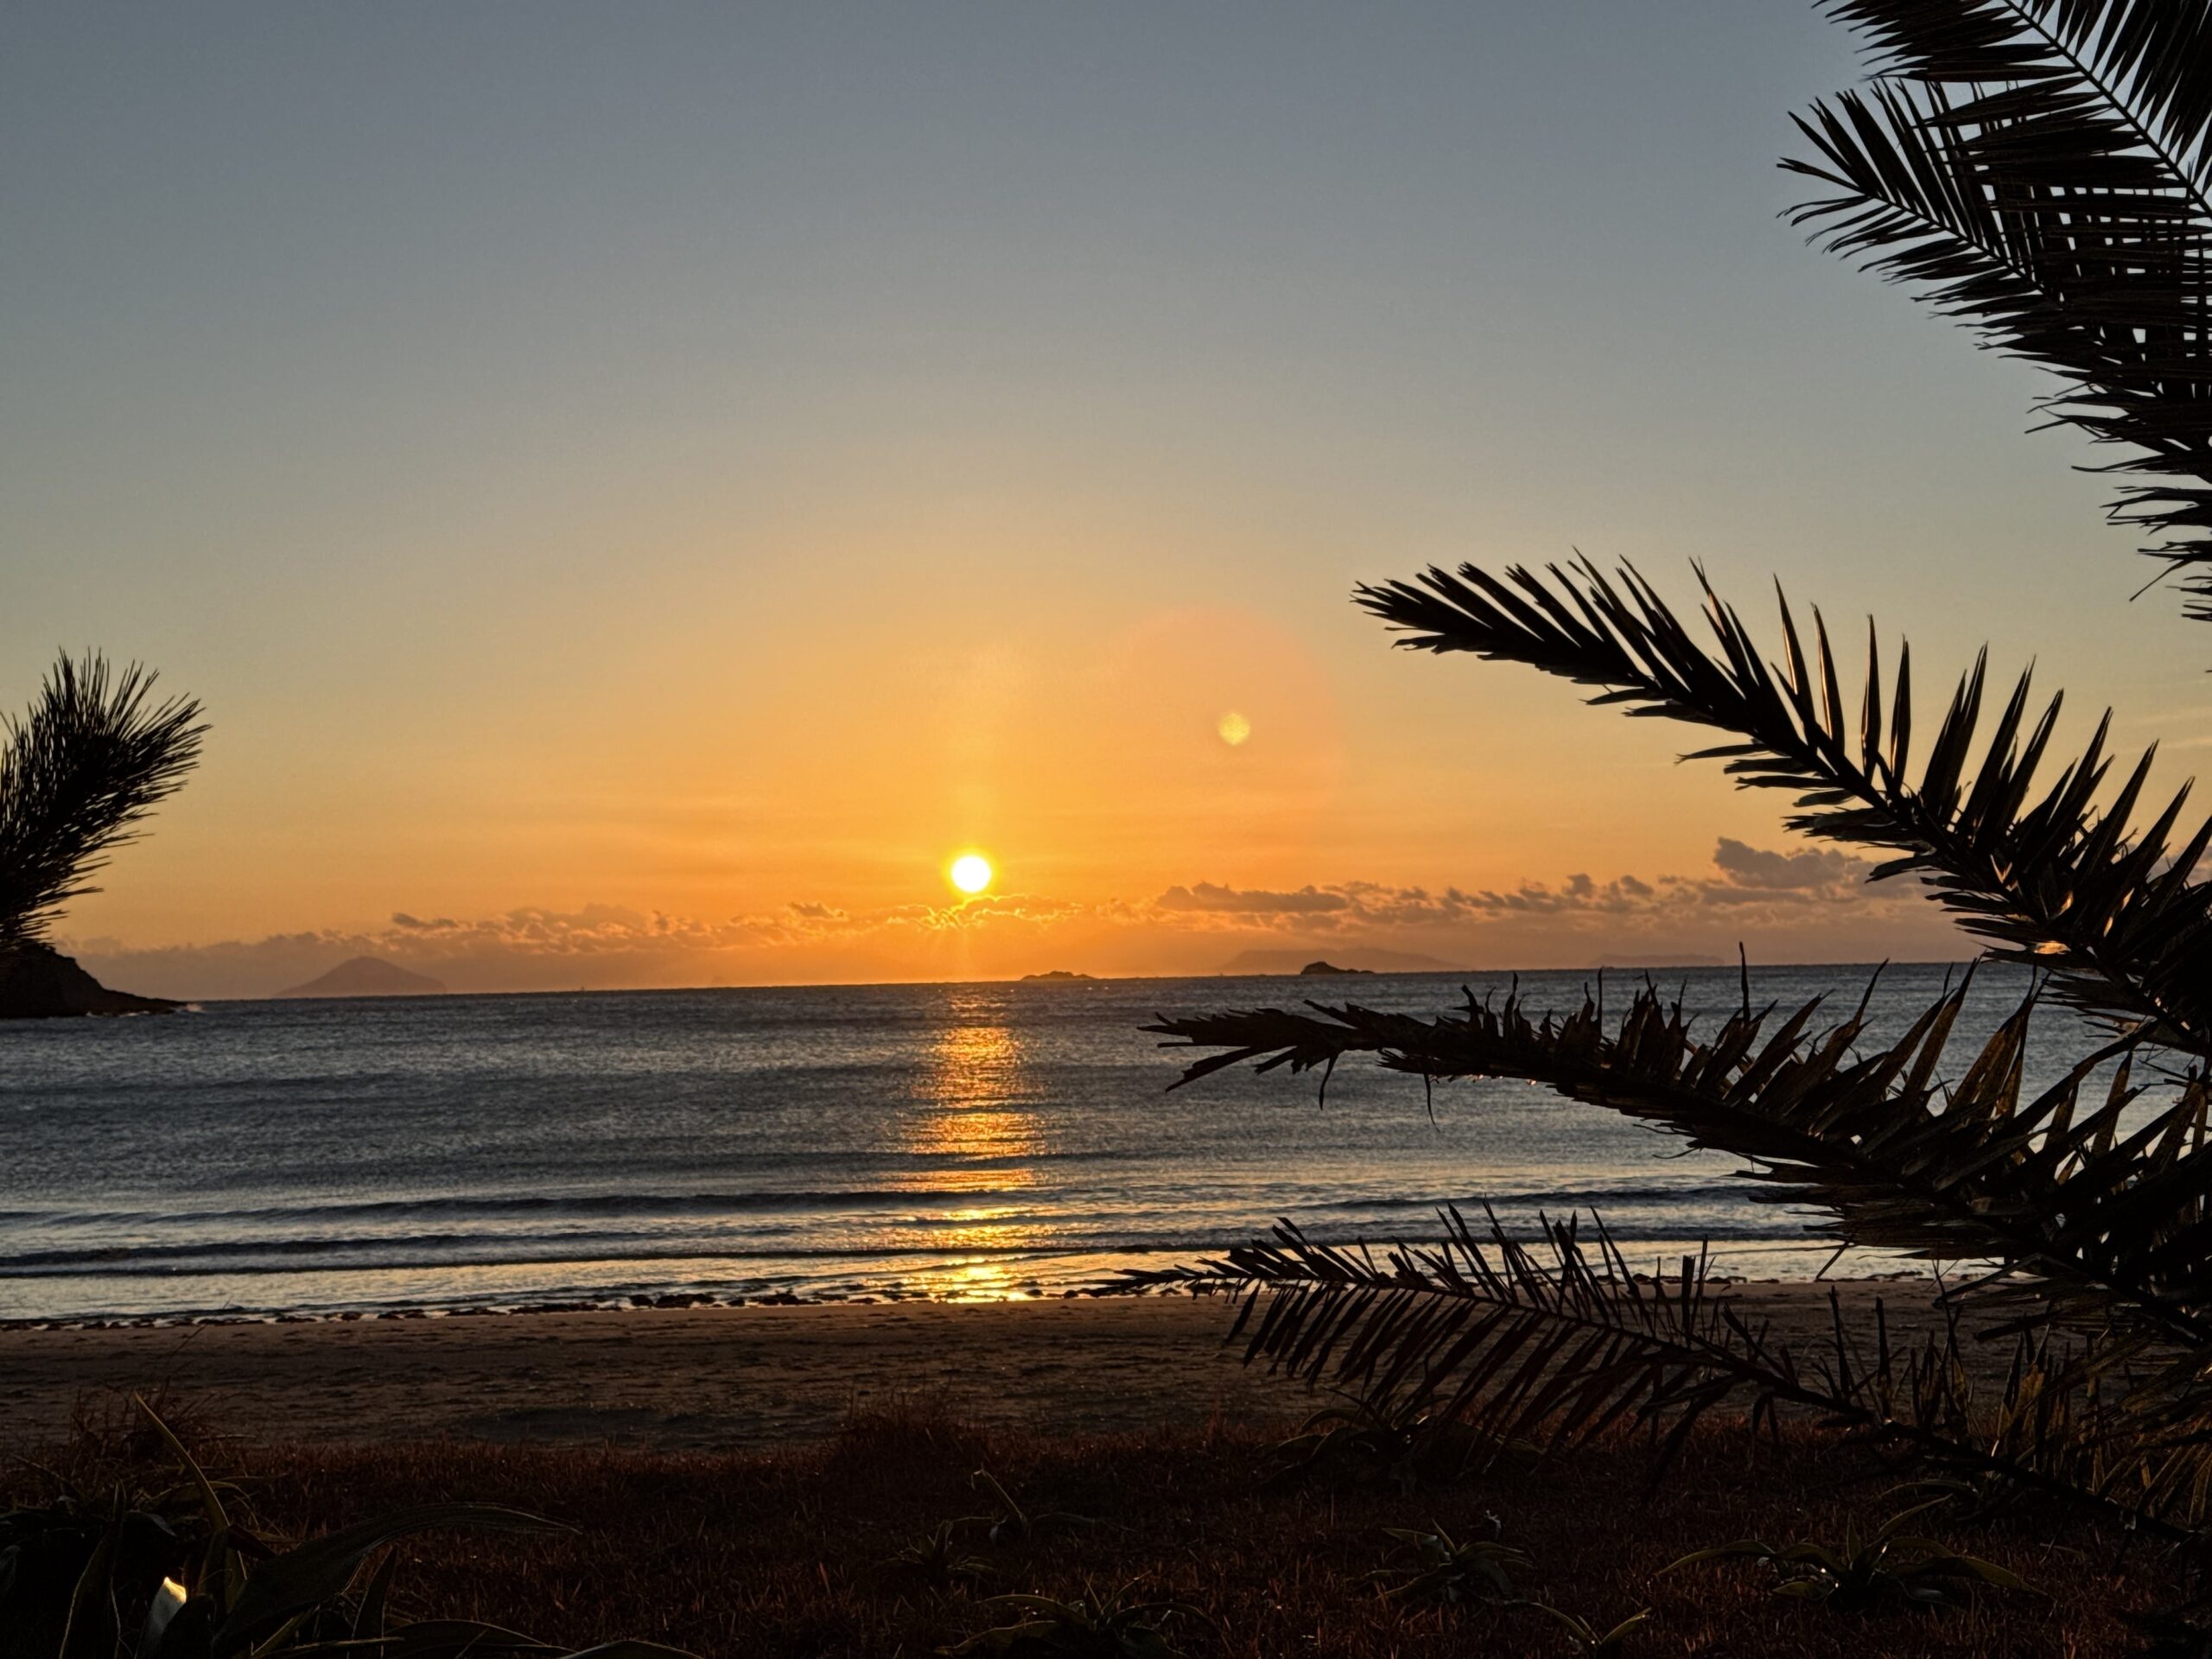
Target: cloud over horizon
(1742, 876)
(1794, 903)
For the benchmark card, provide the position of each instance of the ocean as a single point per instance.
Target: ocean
(975, 1140)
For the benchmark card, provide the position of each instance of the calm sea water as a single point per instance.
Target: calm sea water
(951, 1140)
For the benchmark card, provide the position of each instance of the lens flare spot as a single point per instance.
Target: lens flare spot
(1234, 729)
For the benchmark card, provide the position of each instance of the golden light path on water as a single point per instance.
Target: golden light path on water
(974, 1087)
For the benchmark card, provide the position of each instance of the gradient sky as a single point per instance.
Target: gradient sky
(638, 488)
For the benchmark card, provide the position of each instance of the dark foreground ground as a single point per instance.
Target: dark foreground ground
(792, 1555)
(743, 1481)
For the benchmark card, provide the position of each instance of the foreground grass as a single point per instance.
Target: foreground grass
(788, 1556)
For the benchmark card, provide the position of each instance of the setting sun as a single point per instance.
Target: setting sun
(972, 873)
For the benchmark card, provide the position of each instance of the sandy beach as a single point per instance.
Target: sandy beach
(743, 1378)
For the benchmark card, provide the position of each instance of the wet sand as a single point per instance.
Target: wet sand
(707, 1377)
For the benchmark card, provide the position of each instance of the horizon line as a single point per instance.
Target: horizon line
(1075, 978)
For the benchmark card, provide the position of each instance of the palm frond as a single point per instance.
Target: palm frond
(2099, 1215)
(94, 755)
(1558, 1342)
(2042, 169)
(2050, 876)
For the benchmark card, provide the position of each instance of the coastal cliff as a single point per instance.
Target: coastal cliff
(38, 983)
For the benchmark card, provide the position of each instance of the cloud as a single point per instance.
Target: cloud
(1206, 896)
(538, 947)
(1798, 905)
(1810, 870)
(1741, 878)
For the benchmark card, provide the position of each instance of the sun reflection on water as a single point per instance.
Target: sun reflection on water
(969, 1133)
(971, 1107)
(975, 1064)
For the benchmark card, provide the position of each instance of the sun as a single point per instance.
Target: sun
(972, 873)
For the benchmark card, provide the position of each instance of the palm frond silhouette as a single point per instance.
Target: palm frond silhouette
(2042, 171)
(2060, 877)
(95, 753)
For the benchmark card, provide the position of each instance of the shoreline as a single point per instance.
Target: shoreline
(639, 1301)
(759, 1375)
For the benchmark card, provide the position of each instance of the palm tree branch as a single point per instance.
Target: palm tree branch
(2109, 910)
(2108, 48)
(93, 756)
(2042, 165)
(1562, 1344)
(2096, 1227)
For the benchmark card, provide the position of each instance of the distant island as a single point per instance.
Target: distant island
(1364, 958)
(1055, 973)
(368, 976)
(1314, 968)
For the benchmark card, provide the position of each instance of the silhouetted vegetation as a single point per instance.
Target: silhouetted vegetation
(2038, 168)
(94, 755)
(791, 1555)
(161, 1564)
(1861, 1575)
(2042, 171)
(1428, 1564)
(1093, 1625)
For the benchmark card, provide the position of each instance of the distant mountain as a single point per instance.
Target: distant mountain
(1311, 969)
(368, 976)
(1053, 974)
(1374, 962)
